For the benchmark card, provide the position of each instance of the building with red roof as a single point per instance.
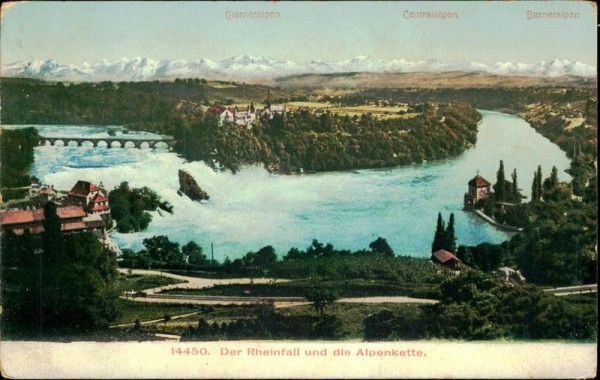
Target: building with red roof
(92, 197)
(478, 189)
(446, 258)
(72, 219)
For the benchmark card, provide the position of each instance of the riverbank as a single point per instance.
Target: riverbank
(254, 208)
(494, 223)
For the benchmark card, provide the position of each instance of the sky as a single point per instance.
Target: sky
(485, 32)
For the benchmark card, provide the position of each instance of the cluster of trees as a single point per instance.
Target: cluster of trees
(252, 262)
(329, 141)
(544, 189)
(131, 104)
(57, 281)
(504, 190)
(444, 236)
(557, 244)
(317, 261)
(129, 207)
(324, 261)
(160, 252)
(16, 155)
(474, 306)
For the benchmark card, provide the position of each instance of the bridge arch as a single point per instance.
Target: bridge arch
(129, 144)
(160, 144)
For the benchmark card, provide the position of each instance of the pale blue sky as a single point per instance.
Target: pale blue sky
(484, 32)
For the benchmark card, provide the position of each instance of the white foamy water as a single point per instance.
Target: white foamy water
(253, 208)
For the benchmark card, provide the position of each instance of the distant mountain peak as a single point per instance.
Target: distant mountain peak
(247, 66)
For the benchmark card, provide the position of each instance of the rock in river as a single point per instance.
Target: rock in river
(189, 187)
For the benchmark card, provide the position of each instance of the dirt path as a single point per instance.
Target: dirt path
(154, 295)
(387, 299)
(198, 283)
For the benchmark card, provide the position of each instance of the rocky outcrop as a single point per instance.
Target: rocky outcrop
(189, 187)
(509, 275)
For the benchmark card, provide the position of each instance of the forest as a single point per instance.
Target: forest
(306, 141)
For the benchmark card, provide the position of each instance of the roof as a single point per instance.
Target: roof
(443, 256)
(82, 189)
(99, 198)
(21, 216)
(70, 212)
(479, 181)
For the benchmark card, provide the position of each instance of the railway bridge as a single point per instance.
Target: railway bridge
(111, 142)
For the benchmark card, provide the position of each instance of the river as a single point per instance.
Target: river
(254, 208)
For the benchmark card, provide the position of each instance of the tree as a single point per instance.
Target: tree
(264, 256)
(554, 176)
(450, 239)
(162, 251)
(444, 237)
(551, 182)
(83, 286)
(539, 188)
(321, 297)
(535, 196)
(381, 246)
(500, 184)
(438, 242)
(516, 196)
(52, 242)
(194, 253)
(536, 187)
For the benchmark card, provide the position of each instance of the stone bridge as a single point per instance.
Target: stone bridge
(110, 141)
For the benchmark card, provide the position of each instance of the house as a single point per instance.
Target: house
(274, 109)
(478, 189)
(93, 198)
(446, 259)
(239, 116)
(244, 116)
(227, 116)
(42, 192)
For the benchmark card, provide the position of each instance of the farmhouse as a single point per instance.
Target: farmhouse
(447, 259)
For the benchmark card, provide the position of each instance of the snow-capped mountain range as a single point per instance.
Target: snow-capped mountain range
(247, 67)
